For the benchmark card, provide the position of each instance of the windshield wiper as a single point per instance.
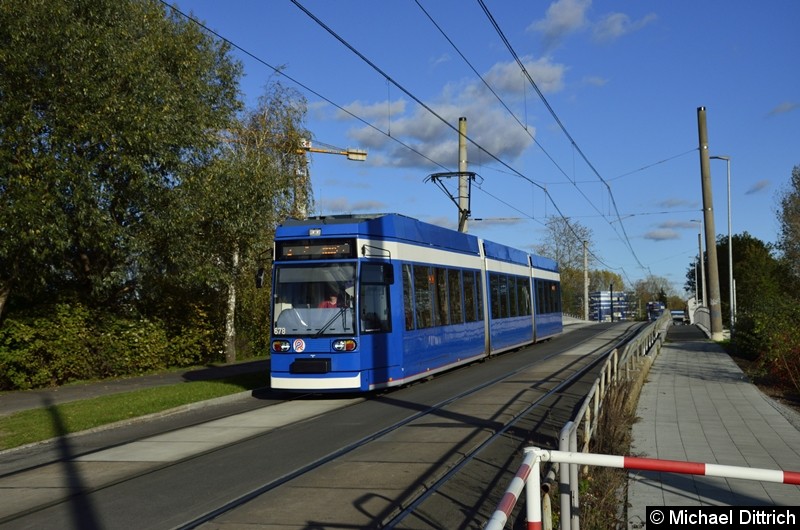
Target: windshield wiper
(341, 312)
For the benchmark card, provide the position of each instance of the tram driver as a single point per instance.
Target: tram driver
(331, 301)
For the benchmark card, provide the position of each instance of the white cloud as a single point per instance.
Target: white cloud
(758, 186)
(678, 203)
(442, 59)
(488, 122)
(663, 234)
(508, 77)
(615, 25)
(372, 112)
(342, 205)
(595, 80)
(681, 225)
(444, 222)
(783, 108)
(563, 17)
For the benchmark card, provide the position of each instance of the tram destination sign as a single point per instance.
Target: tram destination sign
(307, 249)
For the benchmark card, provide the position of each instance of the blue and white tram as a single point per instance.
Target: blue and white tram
(368, 302)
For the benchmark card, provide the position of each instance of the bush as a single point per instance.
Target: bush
(68, 342)
(769, 335)
(45, 349)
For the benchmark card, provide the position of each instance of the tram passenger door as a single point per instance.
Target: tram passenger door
(375, 317)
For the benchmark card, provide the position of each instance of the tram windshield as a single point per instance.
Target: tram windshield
(314, 300)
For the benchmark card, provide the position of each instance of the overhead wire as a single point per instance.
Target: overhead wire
(552, 112)
(408, 93)
(524, 127)
(426, 106)
(280, 72)
(389, 79)
(655, 164)
(503, 103)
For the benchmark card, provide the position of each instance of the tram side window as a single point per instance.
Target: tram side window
(494, 292)
(548, 297)
(436, 296)
(408, 299)
(498, 284)
(512, 296)
(471, 304)
(479, 295)
(541, 304)
(556, 291)
(375, 314)
(422, 294)
(454, 292)
(442, 315)
(523, 296)
(504, 296)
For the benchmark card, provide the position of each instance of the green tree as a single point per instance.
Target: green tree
(602, 280)
(789, 217)
(230, 210)
(105, 106)
(564, 242)
(759, 274)
(653, 288)
(766, 296)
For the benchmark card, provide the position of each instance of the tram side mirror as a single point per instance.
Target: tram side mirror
(260, 274)
(388, 274)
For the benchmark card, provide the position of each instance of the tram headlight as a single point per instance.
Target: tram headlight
(280, 346)
(344, 345)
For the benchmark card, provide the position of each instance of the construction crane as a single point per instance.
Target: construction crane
(359, 155)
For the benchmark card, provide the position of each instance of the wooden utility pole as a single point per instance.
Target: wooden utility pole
(463, 178)
(714, 297)
(585, 280)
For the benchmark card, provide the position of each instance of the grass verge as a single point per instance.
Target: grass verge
(603, 490)
(36, 425)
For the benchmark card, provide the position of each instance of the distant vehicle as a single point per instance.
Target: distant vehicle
(655, 310)
(375, 301)
(678, 316)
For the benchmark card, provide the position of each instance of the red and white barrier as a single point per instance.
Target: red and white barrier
(528, 477)
(672, 466)
(528, 468)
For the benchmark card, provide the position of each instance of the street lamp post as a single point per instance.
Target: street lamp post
(702, 261)
(731, 303)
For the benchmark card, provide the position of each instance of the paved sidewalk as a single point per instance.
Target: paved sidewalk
(698, 406)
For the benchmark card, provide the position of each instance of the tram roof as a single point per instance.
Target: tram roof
(387, 226)
(398, 227)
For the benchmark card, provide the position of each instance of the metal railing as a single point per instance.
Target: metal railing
(646, 344)
(625, 364)
(528, 478)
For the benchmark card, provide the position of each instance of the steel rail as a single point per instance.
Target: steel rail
(469, 457)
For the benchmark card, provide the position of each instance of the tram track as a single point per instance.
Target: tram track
(405, 514)
(406, 510)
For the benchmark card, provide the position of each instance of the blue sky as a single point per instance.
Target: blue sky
(617, 149)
